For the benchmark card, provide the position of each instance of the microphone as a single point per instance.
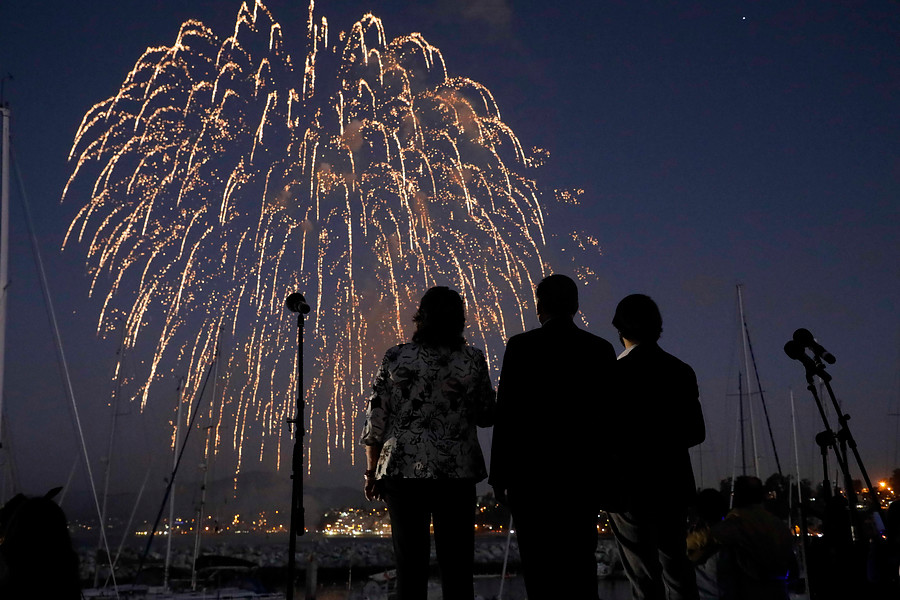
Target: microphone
(297, 303)
(796, 351)
(806, 340)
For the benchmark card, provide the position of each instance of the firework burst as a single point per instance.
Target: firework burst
(223, 177)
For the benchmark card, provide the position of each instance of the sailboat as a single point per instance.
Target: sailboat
(747, 399)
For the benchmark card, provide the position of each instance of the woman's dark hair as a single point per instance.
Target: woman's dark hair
(638, 319)
(37, 550)
(440, 319)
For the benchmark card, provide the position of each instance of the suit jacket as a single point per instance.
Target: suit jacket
(553, 386)
(660, 419)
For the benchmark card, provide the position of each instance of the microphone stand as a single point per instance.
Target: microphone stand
(838, 442)
(843, 439)
(829, 439)
(297, 303)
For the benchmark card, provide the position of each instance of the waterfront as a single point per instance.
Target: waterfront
(486, 588)
(346, 568)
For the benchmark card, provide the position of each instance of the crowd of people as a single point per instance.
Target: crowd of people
(569, 415)
(563, 399)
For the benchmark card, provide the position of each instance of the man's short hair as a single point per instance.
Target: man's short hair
(557, 295)
(638, 319)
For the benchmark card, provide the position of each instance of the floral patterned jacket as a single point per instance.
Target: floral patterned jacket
(425, 405)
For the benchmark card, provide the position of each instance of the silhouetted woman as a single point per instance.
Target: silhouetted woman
(422, 453)
(36, 555)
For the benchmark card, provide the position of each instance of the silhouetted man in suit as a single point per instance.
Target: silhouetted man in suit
(548, 441)
(659, 419)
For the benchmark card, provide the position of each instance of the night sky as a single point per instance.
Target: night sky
(717, 143)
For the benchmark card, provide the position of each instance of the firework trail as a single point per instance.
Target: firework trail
(223, 177)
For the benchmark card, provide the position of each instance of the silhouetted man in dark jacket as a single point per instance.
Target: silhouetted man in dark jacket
(659, 419)
(549, 441)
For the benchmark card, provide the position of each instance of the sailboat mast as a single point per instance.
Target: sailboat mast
(747, 371)
(109, 453)
(4, 252)
(211, 428)
(199, 522)
(172, 483)
(762, 400)
(741, 404)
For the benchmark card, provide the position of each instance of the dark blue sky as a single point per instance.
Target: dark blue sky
(716, 143)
